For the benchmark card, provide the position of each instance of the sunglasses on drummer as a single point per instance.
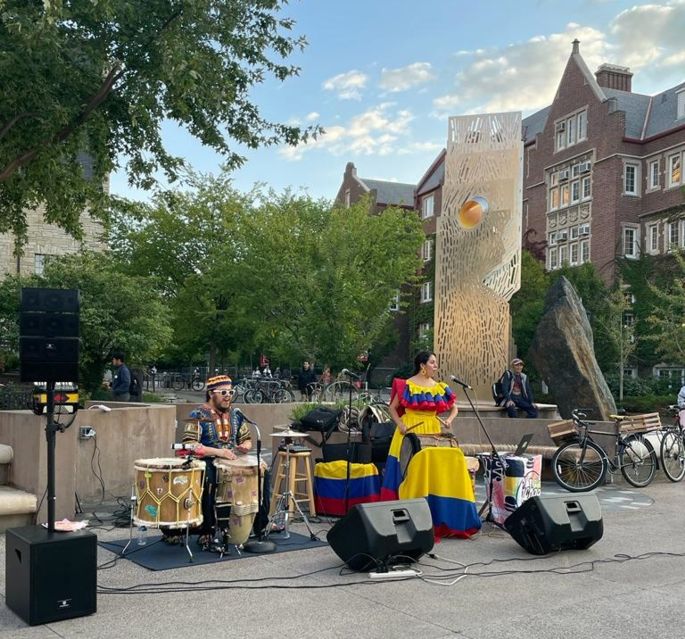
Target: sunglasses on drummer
(223, 392)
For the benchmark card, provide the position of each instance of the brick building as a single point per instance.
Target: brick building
(603, 169)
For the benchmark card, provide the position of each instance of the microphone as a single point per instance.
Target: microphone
(349, 373)
(456, 380)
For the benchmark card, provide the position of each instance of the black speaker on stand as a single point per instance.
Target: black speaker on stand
(546, 524)
(383, 533)
(50, 575)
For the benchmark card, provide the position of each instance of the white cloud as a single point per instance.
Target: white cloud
(521, 76)
(421, 147)
(650, 35)
(376, 131)
(348, 85)
(395, 80)
(310, 117)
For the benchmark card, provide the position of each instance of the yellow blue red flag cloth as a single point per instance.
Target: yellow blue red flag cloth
(330, 481)
(441, 475)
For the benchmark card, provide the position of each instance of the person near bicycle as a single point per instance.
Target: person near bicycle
(326, 378)
(220, 431)
(681, 406)
(517, 391)
(305, 380)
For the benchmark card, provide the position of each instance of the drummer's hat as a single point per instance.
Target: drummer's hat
(218, 380)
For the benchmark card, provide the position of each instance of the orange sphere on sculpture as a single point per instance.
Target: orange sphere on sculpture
(473, 212)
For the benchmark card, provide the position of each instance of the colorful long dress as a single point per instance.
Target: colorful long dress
(438, 474)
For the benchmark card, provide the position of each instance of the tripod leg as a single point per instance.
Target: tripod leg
(312, 536)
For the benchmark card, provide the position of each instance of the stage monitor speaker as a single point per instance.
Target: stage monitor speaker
(49, 335)
(546, 524)
(50, 576)
(383, 533)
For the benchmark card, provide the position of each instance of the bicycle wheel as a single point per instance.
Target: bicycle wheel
(340, 391)
(198, 385)
(673, 455)
(577, 468)
(638, 461)
(179, 383)
(283, 396)
(254, 396)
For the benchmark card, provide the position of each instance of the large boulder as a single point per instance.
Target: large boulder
(563, 354)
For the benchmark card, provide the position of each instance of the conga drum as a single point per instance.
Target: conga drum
(237, 483)
(169, 492)
(412, 444)
(473, 465)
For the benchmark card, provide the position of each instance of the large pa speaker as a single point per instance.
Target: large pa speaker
(50, 576)
(49, 335)
(546, 524)
(383, 533)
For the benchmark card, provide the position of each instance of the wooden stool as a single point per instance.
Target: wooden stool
(300, 471)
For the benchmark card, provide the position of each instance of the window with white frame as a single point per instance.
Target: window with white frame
(674, 170)
(553, 198)
(575, 191)
(39, 263)
(574, 254)
(427, 250)
(570, 130)
(630, 242)
(587, 188)
(628, 319)
(681, 104)
(427, 205)
(673, 235)
(552, 238)
(426, 292)
(553, 259)
(563, 255)
(424, 329)
(582, 125)
(630, 179)
(653, 238)
(584, 251)
(654, 174)
(574, 232)
(395, 302)
(564, 194)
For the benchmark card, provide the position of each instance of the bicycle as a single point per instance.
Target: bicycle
(672, 451)
(581, 464)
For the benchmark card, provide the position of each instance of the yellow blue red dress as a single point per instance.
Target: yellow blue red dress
(438, 474)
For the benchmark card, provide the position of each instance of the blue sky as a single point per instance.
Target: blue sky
(382, 77)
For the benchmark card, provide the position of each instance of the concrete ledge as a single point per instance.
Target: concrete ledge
(16, 502)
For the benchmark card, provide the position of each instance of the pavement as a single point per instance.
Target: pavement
(629, 584)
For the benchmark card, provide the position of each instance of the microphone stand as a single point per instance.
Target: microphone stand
(259, 545)
(487, 504)
(349, 444)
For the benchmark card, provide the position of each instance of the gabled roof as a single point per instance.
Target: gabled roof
(636, 108)
(390, 193)
(534, 124)
(434, 176)
(664, 110)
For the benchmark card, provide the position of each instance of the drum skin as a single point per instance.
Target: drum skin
(169, 492)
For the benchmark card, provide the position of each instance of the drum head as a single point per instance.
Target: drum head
(410, 446)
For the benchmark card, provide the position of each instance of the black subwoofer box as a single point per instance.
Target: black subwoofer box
(50, 576)
(382, 533)
(546, 524)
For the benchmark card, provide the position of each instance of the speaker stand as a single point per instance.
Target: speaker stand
(51, 429)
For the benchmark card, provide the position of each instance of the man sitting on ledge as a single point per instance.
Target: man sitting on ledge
(517, 391)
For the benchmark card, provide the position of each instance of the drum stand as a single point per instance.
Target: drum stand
(283, 503)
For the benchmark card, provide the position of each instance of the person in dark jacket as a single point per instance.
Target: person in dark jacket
(517, 391)
(121, 380)
(305, 378)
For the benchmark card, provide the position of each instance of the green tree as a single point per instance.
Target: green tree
(117, 311)
(99, 78)
(667, 319)
(528, 303)
(321, 280)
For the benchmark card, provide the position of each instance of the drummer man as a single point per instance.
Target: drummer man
(219, 431)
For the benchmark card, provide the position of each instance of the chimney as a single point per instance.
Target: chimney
(611, 76)
(351, 169)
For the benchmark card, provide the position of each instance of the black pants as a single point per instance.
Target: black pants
(522, 403)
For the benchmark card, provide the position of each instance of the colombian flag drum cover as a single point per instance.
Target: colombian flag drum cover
(329, 486)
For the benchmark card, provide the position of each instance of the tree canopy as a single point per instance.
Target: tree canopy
(86, 83)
